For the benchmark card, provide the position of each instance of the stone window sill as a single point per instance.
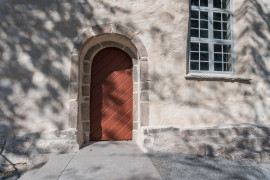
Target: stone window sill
(216, 77)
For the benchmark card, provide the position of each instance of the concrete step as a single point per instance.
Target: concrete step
(51, 170)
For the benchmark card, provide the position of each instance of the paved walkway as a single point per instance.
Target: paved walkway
(108, 160)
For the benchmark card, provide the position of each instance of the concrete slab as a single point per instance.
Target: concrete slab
(110, 160)
(51, 170)
(30, 173)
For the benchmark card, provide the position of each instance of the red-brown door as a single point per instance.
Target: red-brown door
(111, 96)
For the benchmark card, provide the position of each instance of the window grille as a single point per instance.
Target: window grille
(211, 37)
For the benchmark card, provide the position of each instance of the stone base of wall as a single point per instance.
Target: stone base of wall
(245, 141)
(21, 152)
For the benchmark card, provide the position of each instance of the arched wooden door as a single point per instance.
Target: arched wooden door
(111, 96)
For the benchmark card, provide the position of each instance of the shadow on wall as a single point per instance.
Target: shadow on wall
(245, 141)
(203, 103)
(35, 45)
(219, 102)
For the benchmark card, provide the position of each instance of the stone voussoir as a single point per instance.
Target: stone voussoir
(91, 51)
(85, 110)
(131, 54)
(86, 79)
(85, 90)
(142, 52)
(73, 113)
(144, 96)
(86, 67)
(119, 29)
(73, 90)
(74, 72)
(82, 39)
(144, 71)
(112, 44)
(102, 28)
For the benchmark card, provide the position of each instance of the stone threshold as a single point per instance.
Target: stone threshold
(216, 77)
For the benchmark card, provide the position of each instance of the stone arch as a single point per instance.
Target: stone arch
(86, 46)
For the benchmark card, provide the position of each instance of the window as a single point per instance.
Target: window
(211, 40)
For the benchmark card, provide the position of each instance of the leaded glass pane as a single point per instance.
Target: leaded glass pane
(195, 14)
(195, 2)
(217, 34)
(194, 23)
(204, 15)
(204, 24)
(227, 67)
(204, 57)
(204, 47)
(217, 16)
(204, 33)
(204, 66)
(218, 57)
(225, 35)
(217, 25)
(194, 65)
(217, 3)
(204, 3)
(217, 48)
(194, 33)
(194, 56)
(225, 4)
(224, 26)
(218, 66)
(194, 46)
(225, 17)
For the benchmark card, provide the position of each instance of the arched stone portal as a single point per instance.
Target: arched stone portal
(87, 45)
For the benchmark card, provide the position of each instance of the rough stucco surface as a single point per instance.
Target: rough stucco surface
(36, 38)
(190, 103)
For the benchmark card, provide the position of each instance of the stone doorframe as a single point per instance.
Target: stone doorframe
(87, 45)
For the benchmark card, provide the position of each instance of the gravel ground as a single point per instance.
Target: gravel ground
(179, 166)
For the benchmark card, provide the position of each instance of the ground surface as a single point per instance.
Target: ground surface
(124, 160)
(108, 160)
(188, 167)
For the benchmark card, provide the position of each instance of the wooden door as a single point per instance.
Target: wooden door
(111, 93)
